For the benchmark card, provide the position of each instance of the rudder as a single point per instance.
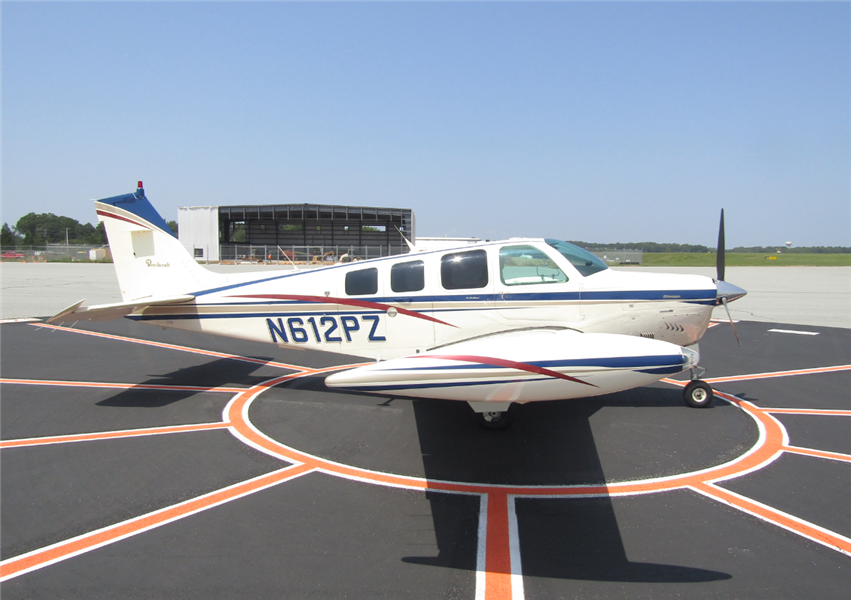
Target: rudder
(148, 258)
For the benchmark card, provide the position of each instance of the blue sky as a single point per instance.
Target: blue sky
(601, 122)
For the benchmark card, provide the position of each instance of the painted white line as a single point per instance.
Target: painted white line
(97, 436)
(22, 320)
(792, 331)
(482, 549)
(517, 591)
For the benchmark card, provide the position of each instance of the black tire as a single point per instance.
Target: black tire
(494, 420)
(698, 394)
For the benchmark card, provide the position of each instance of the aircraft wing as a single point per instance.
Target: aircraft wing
(107, 312)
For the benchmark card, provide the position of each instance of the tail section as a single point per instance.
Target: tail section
(149, 260)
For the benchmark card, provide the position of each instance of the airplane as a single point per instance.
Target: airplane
(491, 324)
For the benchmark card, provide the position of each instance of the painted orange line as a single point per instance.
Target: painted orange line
(818, 453)
(773, 374)
(122, 338)
(121, 386)
(816, 412)
(113, 533)
(109, 435)
(63, 550)
(781, 519)
(498, 553)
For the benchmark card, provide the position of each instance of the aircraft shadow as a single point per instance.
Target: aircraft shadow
(216, 373)
(550, 442)
(555, 443)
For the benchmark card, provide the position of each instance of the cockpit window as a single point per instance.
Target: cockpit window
(526, 265)
(585, 262)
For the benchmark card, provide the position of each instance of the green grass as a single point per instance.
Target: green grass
(743, 259)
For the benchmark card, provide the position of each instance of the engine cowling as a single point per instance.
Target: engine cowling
(523, 366)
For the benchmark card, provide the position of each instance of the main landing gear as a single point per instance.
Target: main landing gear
(494, 420)
(493, 415)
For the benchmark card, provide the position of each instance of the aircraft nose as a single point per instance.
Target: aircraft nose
(728, 291)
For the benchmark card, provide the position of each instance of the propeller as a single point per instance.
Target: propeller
(720, 253)
(726, 291)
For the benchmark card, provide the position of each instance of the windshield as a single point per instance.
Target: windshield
(585, 262)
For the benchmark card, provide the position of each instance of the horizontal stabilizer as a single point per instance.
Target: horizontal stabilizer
(108, 312)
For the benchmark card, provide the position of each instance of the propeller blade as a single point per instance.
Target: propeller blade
(724, 302)
(720, 251)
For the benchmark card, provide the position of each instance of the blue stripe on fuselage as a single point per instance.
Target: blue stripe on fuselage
(691, 296)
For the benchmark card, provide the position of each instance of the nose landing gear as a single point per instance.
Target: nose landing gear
(698, 393)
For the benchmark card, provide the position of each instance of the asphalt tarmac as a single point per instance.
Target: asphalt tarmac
(139, 462)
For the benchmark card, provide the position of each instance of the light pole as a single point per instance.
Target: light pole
(66, 235)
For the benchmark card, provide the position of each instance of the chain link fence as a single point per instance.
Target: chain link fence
(56, 253)
(244, 253)
(301, 255)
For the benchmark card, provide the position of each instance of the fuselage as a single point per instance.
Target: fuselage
(401, 305)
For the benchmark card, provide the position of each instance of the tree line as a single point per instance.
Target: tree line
(46, 229)
(680, 248)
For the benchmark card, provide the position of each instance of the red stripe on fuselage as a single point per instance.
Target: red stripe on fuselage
(347, 302)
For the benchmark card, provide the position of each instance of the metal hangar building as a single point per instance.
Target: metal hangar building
(300, 232)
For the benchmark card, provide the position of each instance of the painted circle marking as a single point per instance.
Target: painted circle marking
(769, 445)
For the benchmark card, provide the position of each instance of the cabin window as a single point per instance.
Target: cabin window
(407, 276)
(362, 283)
(464, 270)
(527, 265)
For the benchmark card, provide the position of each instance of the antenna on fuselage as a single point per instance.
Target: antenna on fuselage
(411, 247)
(281, 250)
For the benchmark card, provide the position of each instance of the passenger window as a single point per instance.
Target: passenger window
(526, 265)
(407, 277)
(464, 270)
(361, 283)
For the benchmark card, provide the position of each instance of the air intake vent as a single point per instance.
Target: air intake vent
(647, 335)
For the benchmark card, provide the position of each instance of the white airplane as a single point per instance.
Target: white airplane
(495, 323)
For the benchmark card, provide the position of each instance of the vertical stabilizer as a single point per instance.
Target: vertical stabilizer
(149, 260)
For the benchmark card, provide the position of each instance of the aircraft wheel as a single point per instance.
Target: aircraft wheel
(494, 420)
(698, 394)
